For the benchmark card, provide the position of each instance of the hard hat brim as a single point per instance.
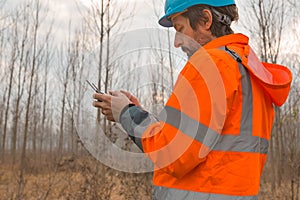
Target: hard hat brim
(165, 22)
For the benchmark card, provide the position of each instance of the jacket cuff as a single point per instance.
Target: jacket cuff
(132, 117)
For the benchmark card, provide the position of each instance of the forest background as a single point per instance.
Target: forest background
(48, 50)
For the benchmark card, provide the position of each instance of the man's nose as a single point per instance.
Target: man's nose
(178, 39)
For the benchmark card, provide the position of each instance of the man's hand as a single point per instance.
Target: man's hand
(111, 105)
(132, 98)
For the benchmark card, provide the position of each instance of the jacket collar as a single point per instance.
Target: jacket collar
(227, 40)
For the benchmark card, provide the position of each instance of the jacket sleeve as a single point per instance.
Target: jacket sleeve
(187, 129)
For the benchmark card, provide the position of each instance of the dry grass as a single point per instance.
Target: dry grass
(73, 178)
(283, 187)
(85, 178)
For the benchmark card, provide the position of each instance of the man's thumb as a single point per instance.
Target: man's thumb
(113, 93)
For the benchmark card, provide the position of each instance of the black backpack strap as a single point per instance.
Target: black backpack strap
(232, 53)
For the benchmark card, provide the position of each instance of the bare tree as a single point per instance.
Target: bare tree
(75, 95)
(268, 20)
(75, 71)
(29, 98)
(291, 129)
(157, 5)
(20, 80)
(2, 95)
(102, 18)
(95, 24)
(48, 58)
(12, 62)
(36, 116)
(79, 66)
(63, 100)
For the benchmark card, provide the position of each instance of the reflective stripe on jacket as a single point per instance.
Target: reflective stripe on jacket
(212, 138)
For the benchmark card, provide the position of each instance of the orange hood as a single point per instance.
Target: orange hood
(274, 79)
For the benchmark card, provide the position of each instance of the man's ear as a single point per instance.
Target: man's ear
(208, 15)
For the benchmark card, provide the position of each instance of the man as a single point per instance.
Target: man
(213, 140)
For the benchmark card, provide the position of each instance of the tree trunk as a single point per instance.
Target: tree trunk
(29, 98)
(62, 119)
(11, 75)
(44, 107)
(20, 90)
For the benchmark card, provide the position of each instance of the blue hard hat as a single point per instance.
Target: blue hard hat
(176, 6)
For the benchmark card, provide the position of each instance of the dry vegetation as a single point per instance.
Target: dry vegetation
(81, 177)
(282, 191)
(72, 177)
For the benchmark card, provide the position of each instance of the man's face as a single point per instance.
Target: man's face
(186, 43)
(188, 39)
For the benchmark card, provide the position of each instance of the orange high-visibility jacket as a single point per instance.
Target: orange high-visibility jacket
(212, 140)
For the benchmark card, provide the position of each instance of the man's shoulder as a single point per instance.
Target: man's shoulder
(221, 58)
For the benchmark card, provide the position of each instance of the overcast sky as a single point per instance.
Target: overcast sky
(64, 11)
(145, 16)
